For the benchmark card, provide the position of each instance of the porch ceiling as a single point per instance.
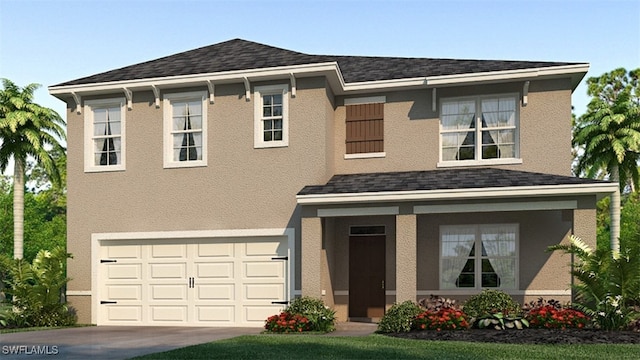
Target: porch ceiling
(470, 183)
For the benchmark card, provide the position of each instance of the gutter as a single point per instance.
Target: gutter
(329, 69)
(599, 189)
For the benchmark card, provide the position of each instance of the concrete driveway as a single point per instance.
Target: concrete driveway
(108, 342)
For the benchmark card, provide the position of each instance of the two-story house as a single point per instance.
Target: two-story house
(211, 186)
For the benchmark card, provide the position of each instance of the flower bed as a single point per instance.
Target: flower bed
(287, 323)
(443, 319)
(551, 318)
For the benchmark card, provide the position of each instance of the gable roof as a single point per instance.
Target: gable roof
(237, 55)
(447, 184)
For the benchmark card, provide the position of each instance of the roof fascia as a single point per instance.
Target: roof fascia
(335, 79)
(600, 190)
(329, 69)
(576, 71)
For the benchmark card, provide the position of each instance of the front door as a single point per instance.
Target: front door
(366, 276)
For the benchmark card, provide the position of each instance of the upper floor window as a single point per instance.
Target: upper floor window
(271, 119)
(479, 256)
(104, 129)
(479, 129)
(185, 129)
(364, 127)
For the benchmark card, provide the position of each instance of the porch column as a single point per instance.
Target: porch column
(584, 226)
(406, 235)
(310, 257)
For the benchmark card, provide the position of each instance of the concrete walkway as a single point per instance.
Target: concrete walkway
(354, 329)
(124, 342)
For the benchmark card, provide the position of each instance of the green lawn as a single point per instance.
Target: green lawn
(387, 348)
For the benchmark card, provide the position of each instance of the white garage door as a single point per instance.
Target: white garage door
(203, 282)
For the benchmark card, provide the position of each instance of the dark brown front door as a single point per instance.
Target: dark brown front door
(366, 276)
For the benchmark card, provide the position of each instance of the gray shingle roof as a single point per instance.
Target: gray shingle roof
(238, 54)
(446, 179)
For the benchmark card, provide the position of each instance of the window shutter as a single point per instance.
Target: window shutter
(365, 128)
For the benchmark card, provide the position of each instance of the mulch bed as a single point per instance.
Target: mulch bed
(527, 336)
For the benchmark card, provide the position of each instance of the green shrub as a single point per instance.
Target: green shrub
(607, 287)
(399, 318)
(490, 302)
(36, 290)
(321, 317)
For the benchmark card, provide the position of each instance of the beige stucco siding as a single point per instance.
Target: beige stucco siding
(240, 188)
(247, 188)
(545, 128)
(410, 135)
(411, 128)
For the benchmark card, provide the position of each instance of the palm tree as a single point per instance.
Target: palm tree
(609, 135)
(26, 130)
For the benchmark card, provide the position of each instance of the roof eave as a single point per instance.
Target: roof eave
(598, 189)
(329, 69)
(575, 71)
(334, 75)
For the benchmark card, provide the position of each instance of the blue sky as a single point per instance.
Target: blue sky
(49, 42)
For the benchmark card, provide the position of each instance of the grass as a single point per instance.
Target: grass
(383, 347)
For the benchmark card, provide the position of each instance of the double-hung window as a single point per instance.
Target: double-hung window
(271, 119)
(104, 128)
(479, 256)
(479, 130)
(185, 129)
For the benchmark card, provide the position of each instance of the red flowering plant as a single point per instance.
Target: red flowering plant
(287, 323)
(442, 319)
(551, 315)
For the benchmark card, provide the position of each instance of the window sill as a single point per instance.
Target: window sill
(365, 155)
(462, 163)
(467, 291)
(96, 169)
(185, 164)
(279, 144)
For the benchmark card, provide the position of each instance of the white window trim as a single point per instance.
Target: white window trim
(478, 264)
(258, 139)
(167, 123)
(89, 165)
(503, 161)
(373, 155)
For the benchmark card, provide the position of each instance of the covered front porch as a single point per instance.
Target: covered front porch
(380, 247)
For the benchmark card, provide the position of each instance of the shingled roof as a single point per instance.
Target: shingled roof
(238, 54)
(445, 179)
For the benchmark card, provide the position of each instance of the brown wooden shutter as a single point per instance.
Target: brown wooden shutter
(365, 128)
